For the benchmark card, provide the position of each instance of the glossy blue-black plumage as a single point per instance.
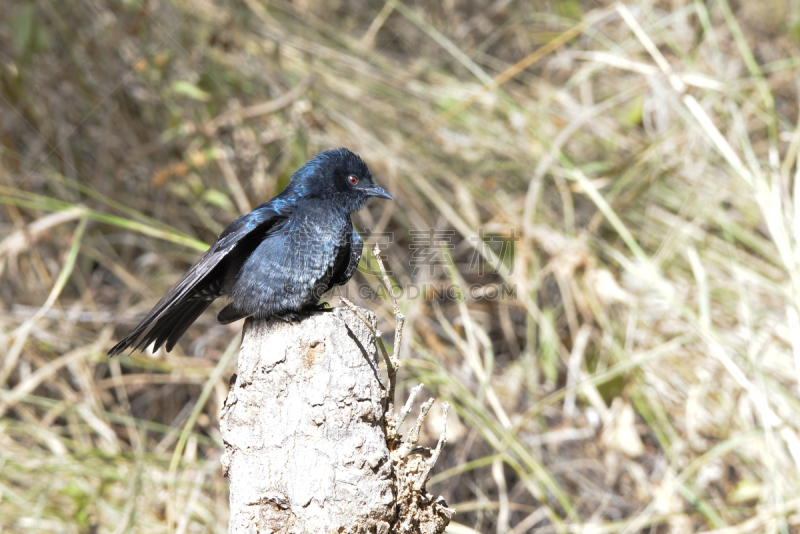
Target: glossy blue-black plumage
(277, 260)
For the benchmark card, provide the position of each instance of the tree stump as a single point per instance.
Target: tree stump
(305, 449)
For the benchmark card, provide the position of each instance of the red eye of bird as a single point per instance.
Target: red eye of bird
(353, 179)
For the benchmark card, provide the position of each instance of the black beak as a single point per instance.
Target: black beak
(378, 192)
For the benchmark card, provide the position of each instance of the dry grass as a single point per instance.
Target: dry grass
(644, 378)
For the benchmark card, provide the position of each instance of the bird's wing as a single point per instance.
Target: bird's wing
(170, 311)
(342, 276)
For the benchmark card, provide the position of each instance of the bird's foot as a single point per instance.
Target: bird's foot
(292, 317)
(321, 307)
(289, 317)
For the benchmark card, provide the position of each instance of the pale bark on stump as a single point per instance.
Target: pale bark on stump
(303, 427)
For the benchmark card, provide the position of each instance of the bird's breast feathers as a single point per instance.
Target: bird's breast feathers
(292, 264)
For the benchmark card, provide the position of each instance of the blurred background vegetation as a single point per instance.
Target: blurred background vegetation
(642, 378)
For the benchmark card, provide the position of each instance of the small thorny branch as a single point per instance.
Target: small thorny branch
(392, 362)
(417, 510)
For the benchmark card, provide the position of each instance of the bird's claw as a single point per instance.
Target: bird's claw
(291, 317)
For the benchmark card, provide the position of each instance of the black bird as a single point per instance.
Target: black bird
(276, 261)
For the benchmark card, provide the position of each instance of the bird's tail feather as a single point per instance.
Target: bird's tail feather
(169, 327)
(229, 314)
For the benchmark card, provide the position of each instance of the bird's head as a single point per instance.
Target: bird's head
(337, 175)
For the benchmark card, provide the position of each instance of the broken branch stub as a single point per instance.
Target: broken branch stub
(308, 445)
(302, 427)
